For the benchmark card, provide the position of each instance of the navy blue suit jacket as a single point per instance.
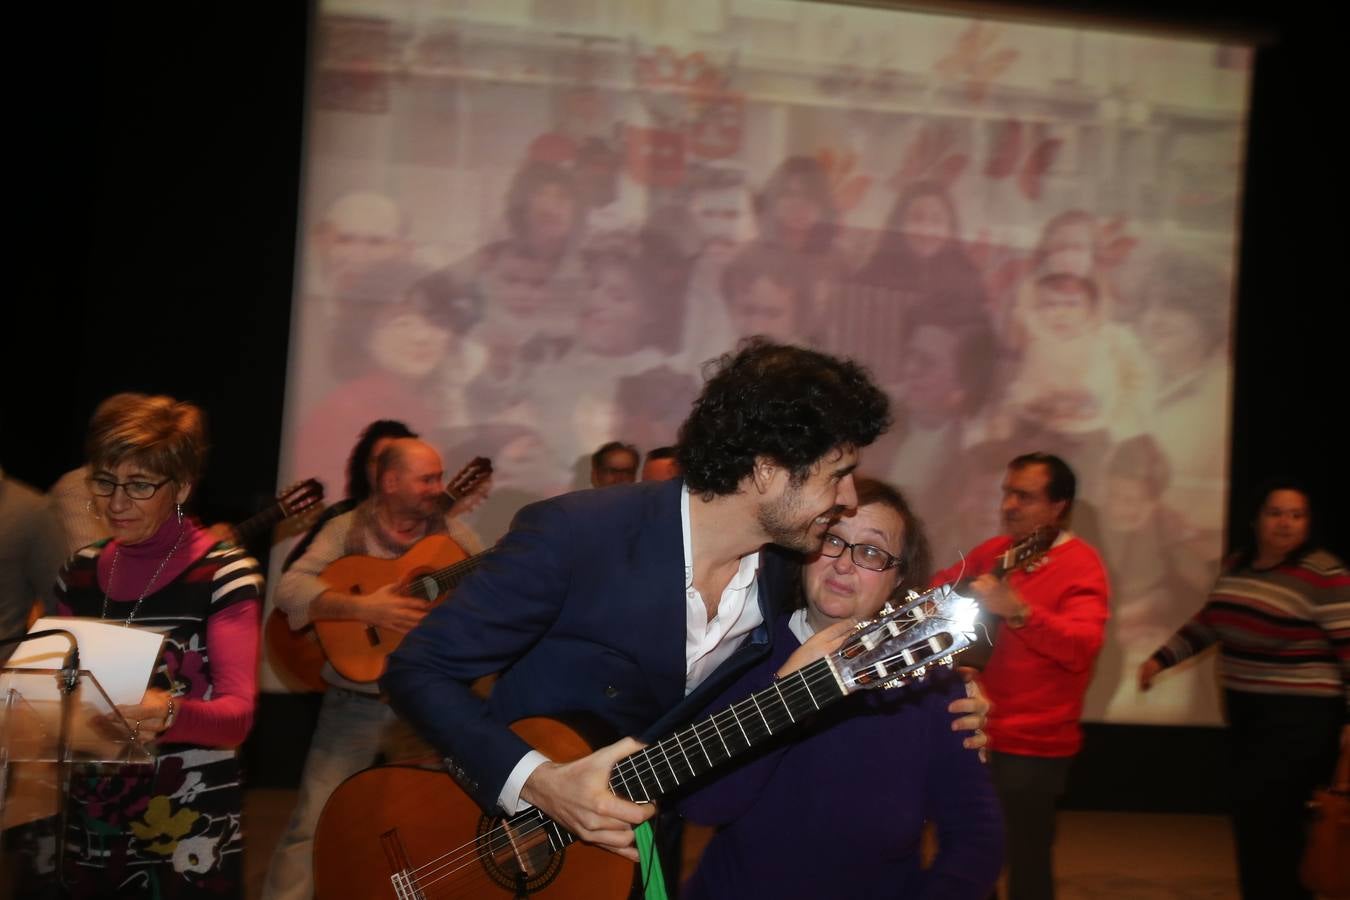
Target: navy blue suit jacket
(581, 608)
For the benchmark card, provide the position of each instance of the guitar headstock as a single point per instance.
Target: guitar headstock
(470, 480)
(1027, 551)
(905, 640)
(300, 496)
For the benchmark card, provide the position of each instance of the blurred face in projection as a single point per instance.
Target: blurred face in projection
(930, 379)
(796, 212)
(1128, 503)
(1069, 249)
(1174, 338)
(1282, 525)
(1064, 310)
(550, 216)
(838, 589)
(613, 317)
(927, 226)
(766, 308)
(408, 343)
(1026, 505)
(358, 232)
(517, 284)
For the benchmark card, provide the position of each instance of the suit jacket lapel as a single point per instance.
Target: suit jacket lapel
(660, 565)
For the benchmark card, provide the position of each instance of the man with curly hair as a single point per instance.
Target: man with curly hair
(635, 604)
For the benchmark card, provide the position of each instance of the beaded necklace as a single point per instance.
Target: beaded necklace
(153, 578)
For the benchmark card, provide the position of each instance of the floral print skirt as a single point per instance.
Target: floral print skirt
(163, 831)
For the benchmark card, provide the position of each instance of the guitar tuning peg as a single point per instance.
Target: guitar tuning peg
(887, 609)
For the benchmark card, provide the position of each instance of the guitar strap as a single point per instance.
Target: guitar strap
(653, 880)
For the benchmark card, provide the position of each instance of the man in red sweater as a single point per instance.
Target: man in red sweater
(1053, 617)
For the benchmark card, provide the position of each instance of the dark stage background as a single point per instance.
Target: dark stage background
(157, 167)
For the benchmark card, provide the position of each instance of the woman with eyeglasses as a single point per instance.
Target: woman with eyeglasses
(837, 808)
(172, 829)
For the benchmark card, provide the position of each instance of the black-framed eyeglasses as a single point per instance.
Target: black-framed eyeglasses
(865, 556)
(136, 490)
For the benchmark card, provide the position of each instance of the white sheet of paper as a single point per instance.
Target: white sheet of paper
(122, 659)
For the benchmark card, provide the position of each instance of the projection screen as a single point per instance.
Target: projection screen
(526, 224)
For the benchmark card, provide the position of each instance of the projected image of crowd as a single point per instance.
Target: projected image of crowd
(569, 288)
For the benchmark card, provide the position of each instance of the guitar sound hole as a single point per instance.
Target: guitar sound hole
(501, 857)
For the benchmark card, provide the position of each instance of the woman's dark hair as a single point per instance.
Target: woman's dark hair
(358, 483)
(528, 180)
(1247, 555)
(365, 304)
(916, 556)
(815, 184)
(893, 238)
(976, 347)
(790, 404)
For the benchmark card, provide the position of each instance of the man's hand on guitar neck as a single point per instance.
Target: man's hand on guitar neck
(578, 796)
(997, 597)
(383, 608)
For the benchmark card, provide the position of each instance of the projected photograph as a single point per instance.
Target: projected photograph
(527, 224)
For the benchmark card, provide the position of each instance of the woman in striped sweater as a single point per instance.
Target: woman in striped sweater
(1280, 613)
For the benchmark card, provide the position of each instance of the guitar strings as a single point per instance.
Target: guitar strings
(448, 864)
(438, 870)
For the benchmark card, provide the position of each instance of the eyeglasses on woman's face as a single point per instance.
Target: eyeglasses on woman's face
(136, 490)
(865, 556)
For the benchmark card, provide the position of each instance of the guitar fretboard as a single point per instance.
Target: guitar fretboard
(656, 770)
(432, 584)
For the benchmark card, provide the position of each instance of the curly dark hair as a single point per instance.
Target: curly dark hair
(788, 403)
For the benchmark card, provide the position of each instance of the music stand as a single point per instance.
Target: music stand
(58, 718)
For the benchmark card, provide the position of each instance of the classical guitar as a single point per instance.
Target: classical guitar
(1021, 555)
(294, 500)
(297, 657)
(403, 833)
(430, 569)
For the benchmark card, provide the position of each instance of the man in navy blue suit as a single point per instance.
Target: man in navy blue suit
(636, 603)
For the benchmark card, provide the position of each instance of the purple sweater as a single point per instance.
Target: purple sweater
(838, 808)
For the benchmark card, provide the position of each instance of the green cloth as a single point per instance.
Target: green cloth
(653, 881)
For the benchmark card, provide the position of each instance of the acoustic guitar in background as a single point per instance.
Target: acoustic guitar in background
(356, 650)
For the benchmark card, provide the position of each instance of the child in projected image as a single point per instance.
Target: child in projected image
(1081, 378)
(1160, 567)
(767, 290)
(568, 392)
(392, 338)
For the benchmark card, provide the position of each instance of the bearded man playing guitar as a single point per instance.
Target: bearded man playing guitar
(406, 508)
(1053, 620)
(636, 604)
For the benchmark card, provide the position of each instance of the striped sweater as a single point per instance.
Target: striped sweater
(1281, 631)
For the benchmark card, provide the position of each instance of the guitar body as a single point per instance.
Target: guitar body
(295, 656)
(357, 650)
(435, 825)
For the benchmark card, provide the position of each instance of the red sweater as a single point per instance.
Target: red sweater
(1038, 674)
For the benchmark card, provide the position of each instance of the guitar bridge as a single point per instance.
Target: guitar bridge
(403, 880)
(373, 636)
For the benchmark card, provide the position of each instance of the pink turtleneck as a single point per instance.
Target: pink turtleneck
(231, 635)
